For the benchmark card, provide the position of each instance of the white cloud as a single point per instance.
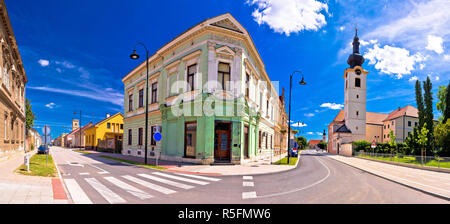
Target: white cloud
(309, 115)
(332, 106)
(393, 60)
(414, 78)
(435, 44)
(447, 57)
(95, 94)
(341, 28)
(289, 16)
(43, 62)
(314, 133)
(65, 64)
(50, 105)
(299, 125)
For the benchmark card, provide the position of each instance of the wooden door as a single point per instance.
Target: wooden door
(222, 149)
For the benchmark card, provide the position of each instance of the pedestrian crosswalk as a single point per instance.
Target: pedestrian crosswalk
(138, 187)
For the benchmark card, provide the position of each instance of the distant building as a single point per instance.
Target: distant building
(106, 135)
(12, 90)
(312, 144)
(77, 138)
(75, 124)
(60, 141)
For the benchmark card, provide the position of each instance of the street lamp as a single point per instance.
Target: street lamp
(135, 56)
(289, 128)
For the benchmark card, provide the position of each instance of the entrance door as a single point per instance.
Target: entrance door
(222, 141)
(246, 142)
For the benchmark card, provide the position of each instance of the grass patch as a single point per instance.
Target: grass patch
(410, 160)
(82, 151)
(133, 162)
(292, 161)
(39, 166)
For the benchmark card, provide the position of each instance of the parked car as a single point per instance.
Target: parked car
(43, 149)
(293, 152)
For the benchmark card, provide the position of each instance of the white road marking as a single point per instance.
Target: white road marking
(75, 164)
(102, 170)
(247, 177)
(128, 188)
(303, 188)
(168, 182)
(198, 177)
(83, 174)
(149, 185)
(181, 178)
(75, 191)
(247, 195)
(248, 184)
(110, 196)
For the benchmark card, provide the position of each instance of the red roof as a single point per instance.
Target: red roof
(405, 111)
(314, 142)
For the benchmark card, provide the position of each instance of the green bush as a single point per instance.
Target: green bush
(360, 145)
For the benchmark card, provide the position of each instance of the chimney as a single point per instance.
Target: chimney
(107, 115)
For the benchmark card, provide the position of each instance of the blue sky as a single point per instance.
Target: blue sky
(76, 52)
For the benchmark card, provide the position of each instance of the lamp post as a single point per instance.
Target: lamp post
(135, 56)
(289, 119)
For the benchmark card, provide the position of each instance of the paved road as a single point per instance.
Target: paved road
(317, 179)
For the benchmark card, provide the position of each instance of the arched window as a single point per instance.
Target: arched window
(357, 82)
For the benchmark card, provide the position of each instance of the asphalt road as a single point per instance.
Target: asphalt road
(317, 179)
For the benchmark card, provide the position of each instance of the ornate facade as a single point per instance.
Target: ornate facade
(210, 97)
(12, 90)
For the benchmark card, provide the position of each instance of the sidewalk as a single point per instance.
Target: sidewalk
(251, 168)
(436, 183)
(21, 189)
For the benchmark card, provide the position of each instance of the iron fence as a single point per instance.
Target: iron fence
(431, 161)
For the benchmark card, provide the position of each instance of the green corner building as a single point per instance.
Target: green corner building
(210, 98)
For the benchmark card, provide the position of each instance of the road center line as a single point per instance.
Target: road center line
(303, 188)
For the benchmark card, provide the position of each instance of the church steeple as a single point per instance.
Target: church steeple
(355, 59)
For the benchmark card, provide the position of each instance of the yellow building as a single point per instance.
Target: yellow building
(106, 135)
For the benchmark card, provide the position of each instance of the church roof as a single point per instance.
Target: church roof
(343, 129)
(375, 118)
(405, 111)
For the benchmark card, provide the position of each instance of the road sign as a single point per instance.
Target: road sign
(374, 145)
(157, 136)
(295, 145)
(46, 129)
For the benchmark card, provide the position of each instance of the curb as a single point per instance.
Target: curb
(68, 196)
(403, 184)
(420, 167)
(207, 174)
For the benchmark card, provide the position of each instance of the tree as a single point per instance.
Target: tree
(428, 115)
(301, 141)
(447, 105)
(419, 102)
(411, 142)
(322, 145)
(441, 104)
(392, 143)
(442, 138)
(30, 116)
(422, 140)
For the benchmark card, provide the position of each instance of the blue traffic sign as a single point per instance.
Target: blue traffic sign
(157, 136)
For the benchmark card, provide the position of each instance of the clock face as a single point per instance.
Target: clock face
(358, 71)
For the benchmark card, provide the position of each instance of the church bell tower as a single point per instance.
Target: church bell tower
(355, 93)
